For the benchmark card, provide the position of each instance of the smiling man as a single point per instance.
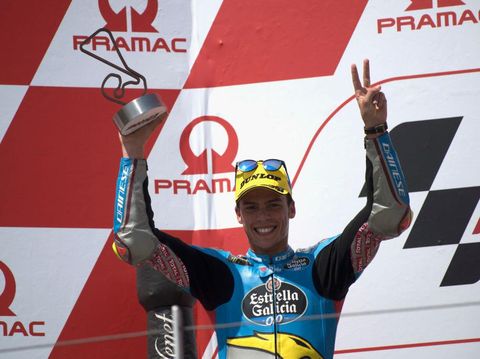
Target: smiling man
(264, 204)
(273, 302)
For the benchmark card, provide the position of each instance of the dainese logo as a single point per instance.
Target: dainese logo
(429, 14)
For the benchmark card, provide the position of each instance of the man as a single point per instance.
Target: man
(273, 302)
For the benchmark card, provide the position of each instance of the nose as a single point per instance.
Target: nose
(263, 213)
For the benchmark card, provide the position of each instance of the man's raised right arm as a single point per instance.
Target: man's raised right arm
(136, 240)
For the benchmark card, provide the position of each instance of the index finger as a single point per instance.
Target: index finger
(357, 85)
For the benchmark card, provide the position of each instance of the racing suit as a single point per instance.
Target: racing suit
(284, 306)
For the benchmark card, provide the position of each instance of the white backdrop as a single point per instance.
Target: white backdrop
(263, 79)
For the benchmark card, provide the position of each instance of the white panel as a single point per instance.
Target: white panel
(10, 99)
(63, 65)
(270, 120)
(461, 350)
(408, 52)
(280, 120)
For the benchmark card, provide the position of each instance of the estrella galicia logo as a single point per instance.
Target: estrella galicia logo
(446, 213)
(274, 299)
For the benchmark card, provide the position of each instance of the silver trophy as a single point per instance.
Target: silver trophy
(134, 114)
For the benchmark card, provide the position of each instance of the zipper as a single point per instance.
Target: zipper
(274, 308)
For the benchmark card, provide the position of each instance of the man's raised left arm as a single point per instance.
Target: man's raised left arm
(387, 212)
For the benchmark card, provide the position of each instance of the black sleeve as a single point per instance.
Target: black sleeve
(211, 281)
(333, 271)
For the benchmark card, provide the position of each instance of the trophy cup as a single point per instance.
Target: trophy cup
(134, 114)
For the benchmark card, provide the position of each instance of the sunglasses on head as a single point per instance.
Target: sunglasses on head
(268, 165)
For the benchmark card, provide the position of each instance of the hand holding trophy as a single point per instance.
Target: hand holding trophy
(134, 114)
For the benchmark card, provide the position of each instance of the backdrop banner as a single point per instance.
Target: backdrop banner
(240, 79)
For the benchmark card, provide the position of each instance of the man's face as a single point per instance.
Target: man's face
(264, 215)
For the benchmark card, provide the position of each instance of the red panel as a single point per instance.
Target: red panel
(203, 319)
(60, 157)
(446, 3)
(26, 30)
(256, 41)
(420, 4)
(477, 228)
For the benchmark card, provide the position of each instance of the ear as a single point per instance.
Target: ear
(239, 215)
(291, 210)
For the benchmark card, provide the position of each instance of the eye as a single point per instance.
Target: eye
(275, 205)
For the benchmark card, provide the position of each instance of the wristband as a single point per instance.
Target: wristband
(378, 129)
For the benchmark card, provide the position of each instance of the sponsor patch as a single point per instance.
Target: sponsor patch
(297, 263)
(274, 299)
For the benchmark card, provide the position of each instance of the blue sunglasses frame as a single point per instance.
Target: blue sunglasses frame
(269, 165)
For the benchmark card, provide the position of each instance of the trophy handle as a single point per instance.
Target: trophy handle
(136, 113)
(119, 91)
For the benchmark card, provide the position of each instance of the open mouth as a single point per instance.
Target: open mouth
(265, 230)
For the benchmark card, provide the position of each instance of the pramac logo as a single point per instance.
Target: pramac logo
(221, 163)
(9, 328)
(441, 13)
(133, 22)
(8, 294)
(207, 165)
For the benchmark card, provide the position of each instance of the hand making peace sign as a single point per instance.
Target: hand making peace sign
(372, 102)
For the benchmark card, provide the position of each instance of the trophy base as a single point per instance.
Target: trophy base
(139, 113)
